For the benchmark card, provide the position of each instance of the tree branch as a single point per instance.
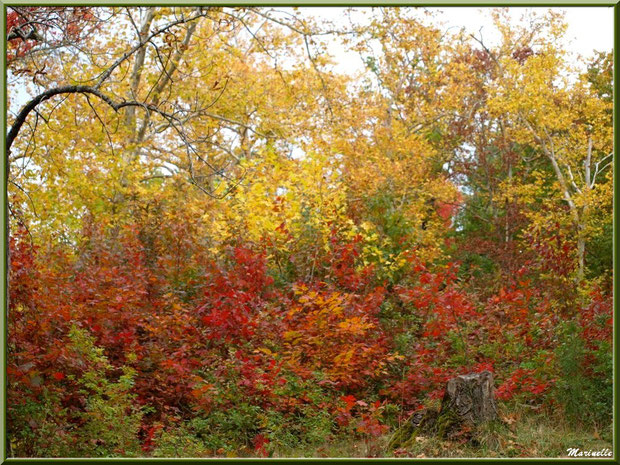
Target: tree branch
(597, 170)
(143, 41)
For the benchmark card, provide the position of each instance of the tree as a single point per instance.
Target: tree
(150, 98)
(395, 130)
(568, 122)
(33, 31)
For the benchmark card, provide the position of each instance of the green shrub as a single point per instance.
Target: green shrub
(106, 426)
(585, 384)
(39, 428)
(180, 442)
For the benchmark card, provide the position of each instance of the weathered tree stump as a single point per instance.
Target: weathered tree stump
(471, 398)
(468, 399)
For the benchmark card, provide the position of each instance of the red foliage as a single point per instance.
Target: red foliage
(28, 27)
(260, 441)
(195, 329)
(233, 300)
(596, 320)
(555, 251)
(521, 381)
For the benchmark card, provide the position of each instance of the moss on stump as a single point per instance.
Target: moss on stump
(468, 400)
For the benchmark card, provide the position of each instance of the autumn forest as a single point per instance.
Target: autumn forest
(223, 242)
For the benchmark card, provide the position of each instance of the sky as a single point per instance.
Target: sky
(589, 28)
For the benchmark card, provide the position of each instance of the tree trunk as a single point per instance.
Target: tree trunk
(581, 253)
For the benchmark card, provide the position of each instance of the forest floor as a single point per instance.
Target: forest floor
(522, 434)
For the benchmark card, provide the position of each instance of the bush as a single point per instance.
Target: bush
(84, 414)
(110, 421)
(585, 384)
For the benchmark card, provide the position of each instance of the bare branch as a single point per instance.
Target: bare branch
(480, 41)
(587, 163)
(174, 63)
(572, 179)
(597, 168)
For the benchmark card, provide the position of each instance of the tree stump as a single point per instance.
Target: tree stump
(468, 399)
(471, 398)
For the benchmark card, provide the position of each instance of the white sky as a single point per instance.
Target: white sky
(589, 28)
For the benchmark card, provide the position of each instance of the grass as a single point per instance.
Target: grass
(530, 436)
(520, 434)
